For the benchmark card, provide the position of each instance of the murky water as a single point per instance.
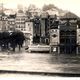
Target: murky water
(65, 58)
(40, 62)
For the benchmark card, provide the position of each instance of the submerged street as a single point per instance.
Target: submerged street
(40, 62)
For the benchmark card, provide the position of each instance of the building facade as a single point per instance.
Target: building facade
(45, 28)
(64, 38)
(55, 37)
(78, 38)
(20, 21)
(3, 22)
(28, 32)
(11, 22)
(36, 30)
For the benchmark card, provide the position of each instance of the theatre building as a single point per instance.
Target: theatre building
(65, 36)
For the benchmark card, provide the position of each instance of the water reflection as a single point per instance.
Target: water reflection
(10, 56)
(68, 63)
(44, 62)
(65, 58)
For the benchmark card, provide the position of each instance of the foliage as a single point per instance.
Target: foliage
(11, 39)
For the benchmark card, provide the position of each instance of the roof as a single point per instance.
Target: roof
(12, 16)
(69, 15)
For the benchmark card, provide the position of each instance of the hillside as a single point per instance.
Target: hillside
(61, 13)
(50, 9)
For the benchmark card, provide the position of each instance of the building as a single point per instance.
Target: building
(55, 37)
(20, 20)
(3, 22)
(44, 28)
(25, 25)
(36, 30)
(78, 37)
(41, 27)
(64, 37)
(28, 32)
(68, 36)
(11, 22)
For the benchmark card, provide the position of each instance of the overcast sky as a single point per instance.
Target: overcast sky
(70, 5)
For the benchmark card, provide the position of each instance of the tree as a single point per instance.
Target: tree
(4, 40)
(17, 38)
(11, 39)
(20, 39)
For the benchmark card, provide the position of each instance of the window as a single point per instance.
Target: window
(28, 24)
(55, 30)
(22, 29)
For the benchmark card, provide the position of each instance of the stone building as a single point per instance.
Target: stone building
(20, 20)
(3, 22)
(36, 30)
(68, 36)
(41, 27)
(11, 22)
(44, 28)
(28, 32)
(55, 37)
(65, 37)
(78, 37)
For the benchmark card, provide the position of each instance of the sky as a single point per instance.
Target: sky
(70, 5)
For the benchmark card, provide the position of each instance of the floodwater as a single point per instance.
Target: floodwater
(40, 62)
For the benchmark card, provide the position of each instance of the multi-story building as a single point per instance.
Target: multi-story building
(11, 22)
(55, 37)
(44, 28)
(36, 29)
(64, 36)
(3, 22)
(68, 36)
(78, 37)
(25, 25)
(20, 20)
(28, 32)
(41, 28)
